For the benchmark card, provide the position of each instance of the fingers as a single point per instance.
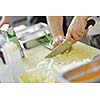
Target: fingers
(76, 29)
(58, 40)
(74, 37)
(70, 38)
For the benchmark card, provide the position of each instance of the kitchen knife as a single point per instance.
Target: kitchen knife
(59, 49)
(65, 45)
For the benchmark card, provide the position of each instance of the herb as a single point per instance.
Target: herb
(48, 37)
(46, 41)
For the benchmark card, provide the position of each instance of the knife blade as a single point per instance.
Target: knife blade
(65, 45)
(59, 49)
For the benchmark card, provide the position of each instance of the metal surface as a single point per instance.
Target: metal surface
(31, 30)
(59, 49)
(28, 36)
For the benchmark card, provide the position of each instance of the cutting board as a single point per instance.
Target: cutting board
(35, 55)
(79, 51)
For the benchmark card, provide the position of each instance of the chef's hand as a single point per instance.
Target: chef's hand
(57, 40)
(77, 29)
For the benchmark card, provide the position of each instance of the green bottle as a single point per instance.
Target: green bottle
(12, 36)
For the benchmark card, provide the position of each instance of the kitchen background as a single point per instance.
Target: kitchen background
(28, 62)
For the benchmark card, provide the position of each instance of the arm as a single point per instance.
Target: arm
(56, 27)
(4, 20)
(77, 29)
(55, 24)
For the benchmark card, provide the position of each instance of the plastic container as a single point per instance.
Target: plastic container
(13, 59)
(5, 74)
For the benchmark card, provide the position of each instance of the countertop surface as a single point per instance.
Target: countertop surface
(37, 55)
(79, 51)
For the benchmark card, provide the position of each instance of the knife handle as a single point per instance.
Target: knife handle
(90, 22)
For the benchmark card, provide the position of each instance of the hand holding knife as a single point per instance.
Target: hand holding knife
(66, 44)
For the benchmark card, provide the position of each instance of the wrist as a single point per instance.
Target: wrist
(57, 35)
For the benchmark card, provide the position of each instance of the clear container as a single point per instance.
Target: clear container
(13, 59)
(6, 74)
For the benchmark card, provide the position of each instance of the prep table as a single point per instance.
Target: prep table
(37, 54)
(80, 51)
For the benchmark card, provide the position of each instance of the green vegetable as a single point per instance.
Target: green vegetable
(46, 41)
(48, 37)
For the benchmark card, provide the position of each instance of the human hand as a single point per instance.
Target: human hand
(77, 29)
(57, 40)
